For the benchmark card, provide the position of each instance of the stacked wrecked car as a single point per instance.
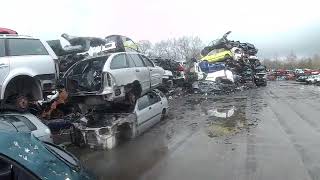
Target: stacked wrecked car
(230, 62)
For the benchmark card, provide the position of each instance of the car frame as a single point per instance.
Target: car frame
(128, 124)
(28, 68)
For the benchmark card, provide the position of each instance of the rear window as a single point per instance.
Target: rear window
(2, 51)
(19, 122)
(21, 47)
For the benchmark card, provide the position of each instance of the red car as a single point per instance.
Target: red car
(7, 31)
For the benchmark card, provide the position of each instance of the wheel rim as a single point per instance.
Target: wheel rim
(22, 102)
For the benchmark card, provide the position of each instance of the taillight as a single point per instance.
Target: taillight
(56, 66)
(107, 80)
(180, 68)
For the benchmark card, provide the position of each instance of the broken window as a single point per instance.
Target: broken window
(86, 75)
(119, 61)
(153, 98)
(137, 60)
(21, 47)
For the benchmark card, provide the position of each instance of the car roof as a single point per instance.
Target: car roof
(16, 36)
(33, 119)
(30, 152)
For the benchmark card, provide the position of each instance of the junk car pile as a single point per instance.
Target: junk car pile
(98, 98)
(229, 62)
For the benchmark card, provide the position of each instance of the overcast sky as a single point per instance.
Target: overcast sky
(274, 26)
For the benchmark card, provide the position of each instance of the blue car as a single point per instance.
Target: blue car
(211, 67)
(24, 157)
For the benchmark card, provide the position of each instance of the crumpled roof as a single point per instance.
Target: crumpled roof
(94, 41)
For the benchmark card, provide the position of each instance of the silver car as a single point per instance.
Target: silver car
(28, 70)
(113, 77)
(104, 130)
(25, 122)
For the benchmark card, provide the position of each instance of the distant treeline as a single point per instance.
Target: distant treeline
(292, 62)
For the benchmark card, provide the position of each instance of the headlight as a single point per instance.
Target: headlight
(47, 131)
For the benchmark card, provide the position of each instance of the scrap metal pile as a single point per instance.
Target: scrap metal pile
(230, 62)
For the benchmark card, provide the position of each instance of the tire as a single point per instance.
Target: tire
(22, 103)
(133, 93)
(134, 132)
(131, 97)
(163, 114)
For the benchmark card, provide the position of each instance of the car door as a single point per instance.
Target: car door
(4, 62)
(142, 72)
(156, 73)
(122, 69)
(156, 107)
(143, 112)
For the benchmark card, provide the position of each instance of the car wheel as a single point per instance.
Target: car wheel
(22, 103)
(163, 114)
(131, 98)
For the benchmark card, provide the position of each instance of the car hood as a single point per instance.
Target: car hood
(27, 150)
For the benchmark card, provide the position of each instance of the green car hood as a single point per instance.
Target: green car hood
(28, 151)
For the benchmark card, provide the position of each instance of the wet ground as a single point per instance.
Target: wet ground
(267, 133)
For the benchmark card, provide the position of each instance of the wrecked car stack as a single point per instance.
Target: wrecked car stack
(115, 76)
(232, 62)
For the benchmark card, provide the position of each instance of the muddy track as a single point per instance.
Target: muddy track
(262, 133)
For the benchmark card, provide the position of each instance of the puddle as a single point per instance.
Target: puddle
(225, 118)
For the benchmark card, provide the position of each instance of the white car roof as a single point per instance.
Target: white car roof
(16, 36)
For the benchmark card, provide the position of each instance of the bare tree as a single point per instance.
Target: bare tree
(183, 48)
(145, 47)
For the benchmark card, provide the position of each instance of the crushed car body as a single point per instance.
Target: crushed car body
(102, 129)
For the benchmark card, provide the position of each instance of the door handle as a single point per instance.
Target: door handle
(137, 70)
(150, 69)
(150, 108)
